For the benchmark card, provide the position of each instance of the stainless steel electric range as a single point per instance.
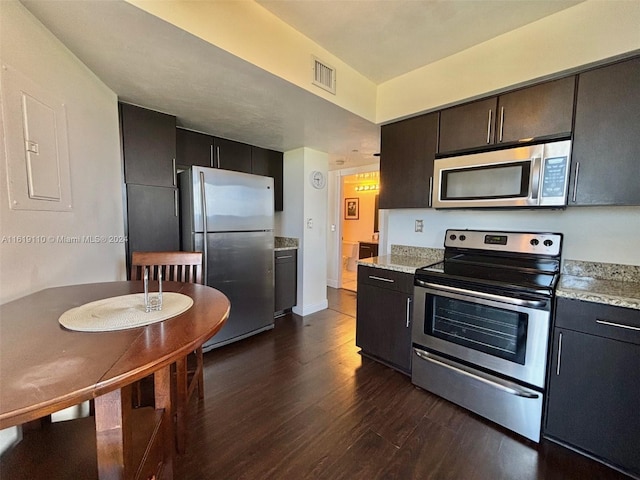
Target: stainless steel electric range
(481, 325)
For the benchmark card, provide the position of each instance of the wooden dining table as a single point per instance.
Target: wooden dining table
(45, 368)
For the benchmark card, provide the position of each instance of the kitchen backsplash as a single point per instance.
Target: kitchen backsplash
(285, 242)
(431, 255)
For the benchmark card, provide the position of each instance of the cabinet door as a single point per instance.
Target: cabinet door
(230, 155)
(406, 162)
(149, 146)
(593, 396)
(193, 148)
(383, 325)
(285, 280)
(468, 126)
(152, 219)
(606, 142)
(544, 110)
(268, 163)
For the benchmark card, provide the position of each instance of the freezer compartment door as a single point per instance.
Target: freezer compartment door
(234, 201)
(240, 265)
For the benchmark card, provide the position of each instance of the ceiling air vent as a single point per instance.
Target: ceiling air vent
(324, 76)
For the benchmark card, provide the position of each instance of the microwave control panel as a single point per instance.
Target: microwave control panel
(554, 174)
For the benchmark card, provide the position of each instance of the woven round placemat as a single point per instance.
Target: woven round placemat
(120, 313)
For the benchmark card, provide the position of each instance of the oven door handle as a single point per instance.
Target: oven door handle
(486, 296)
(494, 382)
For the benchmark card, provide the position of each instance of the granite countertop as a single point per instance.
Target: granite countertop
(398, 263)
(606, 283)
(285, 243)
(405, 259)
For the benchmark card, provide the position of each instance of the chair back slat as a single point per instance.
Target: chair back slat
(175, 266)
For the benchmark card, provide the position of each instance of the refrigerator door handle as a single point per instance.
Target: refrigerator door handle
(203, 199)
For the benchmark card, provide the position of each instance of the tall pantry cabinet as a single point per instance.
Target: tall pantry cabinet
(149, 152)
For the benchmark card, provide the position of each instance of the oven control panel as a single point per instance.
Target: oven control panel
(516, 242)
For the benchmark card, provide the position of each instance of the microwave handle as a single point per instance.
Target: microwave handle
(535, 177)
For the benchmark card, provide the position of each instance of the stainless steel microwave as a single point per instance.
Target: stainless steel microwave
(531, 176)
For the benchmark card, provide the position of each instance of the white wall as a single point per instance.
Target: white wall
(597, 234)
(94, 157)
(588, 32)
(303, 203)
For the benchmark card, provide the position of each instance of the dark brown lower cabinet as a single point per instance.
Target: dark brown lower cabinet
(286, 267)
(594, 382)
(152, 219)
(384, 315)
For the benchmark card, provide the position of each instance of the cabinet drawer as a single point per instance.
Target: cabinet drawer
(389, 279)
(603, 320)
(285, 256)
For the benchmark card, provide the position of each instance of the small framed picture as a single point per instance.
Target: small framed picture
(351, 208)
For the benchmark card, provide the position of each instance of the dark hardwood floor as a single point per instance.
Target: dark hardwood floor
(300, 402)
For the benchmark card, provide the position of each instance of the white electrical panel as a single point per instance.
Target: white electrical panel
(35, 130)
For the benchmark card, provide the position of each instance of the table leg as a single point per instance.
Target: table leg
(162, 387)
(113, 433)
(181, 404)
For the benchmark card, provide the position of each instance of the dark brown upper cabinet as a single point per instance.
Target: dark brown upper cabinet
(540, 111)
(268, 163)
(606, 141)
(193, 149)
(407, 151)
(148, 145)
(230, 155)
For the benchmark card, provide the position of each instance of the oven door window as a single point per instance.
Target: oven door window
(496, 331)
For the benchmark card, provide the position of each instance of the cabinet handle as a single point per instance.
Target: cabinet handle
(218, 155)
(373, 277)
(175, 202)
(408, 310)
(430, 190)
(501, 123)
(285, 256)
(619, 325)
(173, 166)
(489, 126)
(575, 182)
(559, 353)
(211, 155)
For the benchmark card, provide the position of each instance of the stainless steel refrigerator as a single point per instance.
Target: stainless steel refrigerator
(233, 211)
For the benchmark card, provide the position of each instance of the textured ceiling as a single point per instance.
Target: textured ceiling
(149, 62)
(383, 39)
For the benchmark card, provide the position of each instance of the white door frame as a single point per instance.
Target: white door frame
(334, 220)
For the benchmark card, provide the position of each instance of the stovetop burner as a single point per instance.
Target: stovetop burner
(498, 262)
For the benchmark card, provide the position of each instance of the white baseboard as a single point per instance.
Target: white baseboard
(309, 309)
(333, 283)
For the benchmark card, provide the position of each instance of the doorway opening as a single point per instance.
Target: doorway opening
(358, 222)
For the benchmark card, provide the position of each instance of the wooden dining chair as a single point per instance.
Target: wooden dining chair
(189, 371)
